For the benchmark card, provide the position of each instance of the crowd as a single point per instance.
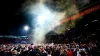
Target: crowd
(49, 50)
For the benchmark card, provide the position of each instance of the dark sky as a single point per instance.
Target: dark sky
(12, 20)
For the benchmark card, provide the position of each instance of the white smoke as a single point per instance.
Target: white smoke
(46, 20)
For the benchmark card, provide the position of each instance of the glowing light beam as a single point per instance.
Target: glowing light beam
(74, 17)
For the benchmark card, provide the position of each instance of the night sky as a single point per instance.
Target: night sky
(12, 19)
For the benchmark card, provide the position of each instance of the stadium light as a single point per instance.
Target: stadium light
(26, 28)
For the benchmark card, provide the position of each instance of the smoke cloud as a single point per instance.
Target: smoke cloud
(48, 16)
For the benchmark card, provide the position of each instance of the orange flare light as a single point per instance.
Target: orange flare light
(76, 16)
